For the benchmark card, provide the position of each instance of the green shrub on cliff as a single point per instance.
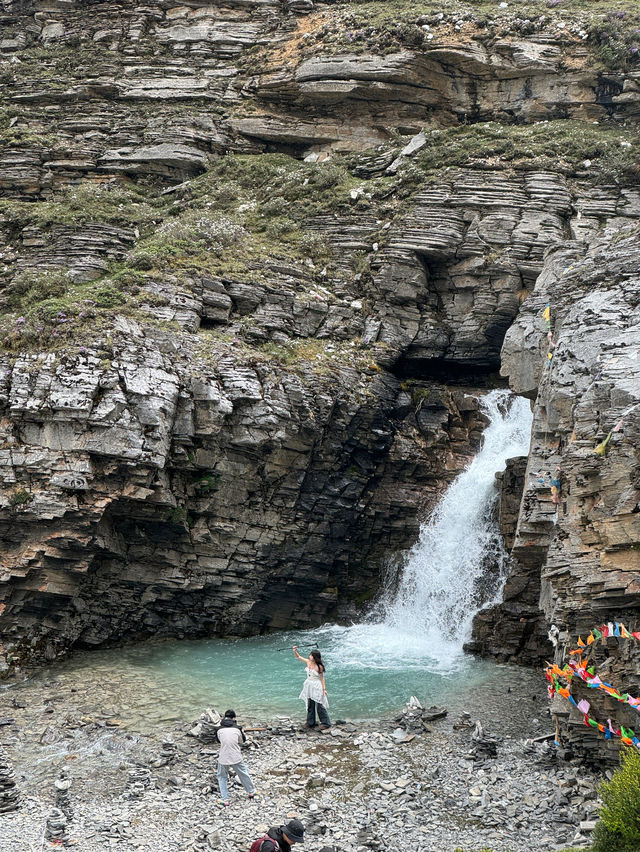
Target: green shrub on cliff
(619, 826)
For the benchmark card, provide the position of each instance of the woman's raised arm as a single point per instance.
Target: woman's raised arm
(302, 659)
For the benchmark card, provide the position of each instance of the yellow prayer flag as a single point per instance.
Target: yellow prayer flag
(546, 314)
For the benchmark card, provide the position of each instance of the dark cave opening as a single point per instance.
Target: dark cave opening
(449, 372)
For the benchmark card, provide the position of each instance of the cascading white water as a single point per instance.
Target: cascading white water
(459, 563)
(445, 580)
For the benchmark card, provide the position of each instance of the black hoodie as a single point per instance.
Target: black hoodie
(276, 833)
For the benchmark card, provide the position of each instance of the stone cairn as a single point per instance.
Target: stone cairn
(482, 745)
(63, 800)
(206, 728)
(9, 796)
(55, 831)
(138, 781)
(463, 721)
(167, 754)
(414, 718)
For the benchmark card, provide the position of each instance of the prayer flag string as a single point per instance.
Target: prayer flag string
(577, 667)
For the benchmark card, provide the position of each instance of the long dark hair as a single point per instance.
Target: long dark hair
(316, 656)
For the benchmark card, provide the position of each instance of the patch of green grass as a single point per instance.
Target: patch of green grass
(48, 310)
(20, 497)
(613, 152)
(121, 203)
(246, 209)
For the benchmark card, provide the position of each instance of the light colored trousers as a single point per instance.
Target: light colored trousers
(241, 771)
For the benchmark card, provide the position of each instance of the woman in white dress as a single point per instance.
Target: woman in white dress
(314, 691)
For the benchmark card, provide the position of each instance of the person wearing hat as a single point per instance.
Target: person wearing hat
(231, 736)
(280, 839)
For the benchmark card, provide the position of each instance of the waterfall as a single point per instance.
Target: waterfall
(445, 581)
(458, 565)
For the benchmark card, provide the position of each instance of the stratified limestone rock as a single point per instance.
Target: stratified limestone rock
(450, 279)
(175, 161)
(9, 796)
(231, 499)
(586, 543)
(575, 550)
(179, 473)
(445, 81)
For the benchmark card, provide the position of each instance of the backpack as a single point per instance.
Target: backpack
(256, 846)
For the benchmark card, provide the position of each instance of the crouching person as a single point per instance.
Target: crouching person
(231, 737)
(280, 839)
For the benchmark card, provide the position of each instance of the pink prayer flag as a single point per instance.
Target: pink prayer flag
(595, 681)
(583, 706)
(618, 426)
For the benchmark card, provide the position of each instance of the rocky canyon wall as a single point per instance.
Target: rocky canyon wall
(258, 258)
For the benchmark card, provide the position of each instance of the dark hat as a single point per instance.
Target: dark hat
(230, 714)
(294, 831)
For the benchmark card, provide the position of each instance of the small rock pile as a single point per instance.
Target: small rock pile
(413, 719)
(9, 796)
(63, 800)
(167, 753)
(206, 728)
(482, 745)
(139, 780)
(464, 721)
(56, 828)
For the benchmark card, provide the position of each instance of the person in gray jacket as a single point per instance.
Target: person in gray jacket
(231, 737)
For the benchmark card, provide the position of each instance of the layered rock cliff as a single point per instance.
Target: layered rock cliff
(258, 258)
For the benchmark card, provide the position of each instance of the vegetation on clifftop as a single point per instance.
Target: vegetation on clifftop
(609, 29)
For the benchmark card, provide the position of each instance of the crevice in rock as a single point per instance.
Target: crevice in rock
(448, 371)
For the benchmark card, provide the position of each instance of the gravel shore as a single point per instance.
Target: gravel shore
(405, 782)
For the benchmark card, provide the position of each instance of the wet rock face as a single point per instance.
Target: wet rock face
(514, 629)
(576, 550)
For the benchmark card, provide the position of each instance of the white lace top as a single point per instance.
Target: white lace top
(312, 688)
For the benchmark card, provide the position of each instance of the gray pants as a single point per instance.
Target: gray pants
(241, 771)
(312, 706)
